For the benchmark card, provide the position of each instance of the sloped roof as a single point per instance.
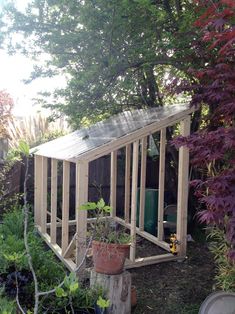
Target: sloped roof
(113, 133)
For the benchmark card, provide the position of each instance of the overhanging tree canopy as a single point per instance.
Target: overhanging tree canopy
(116, 54)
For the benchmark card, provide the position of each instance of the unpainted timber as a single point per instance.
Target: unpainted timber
(68, 262)
(134, 199)
(142, 182)
(164, 245)
(127, 183)
(161, 184)
(113, 183)
(53, 226)
(150, 260)
(183, 186)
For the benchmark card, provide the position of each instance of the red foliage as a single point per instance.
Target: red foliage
(213, 148)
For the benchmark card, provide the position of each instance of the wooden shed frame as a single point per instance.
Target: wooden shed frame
(128, 130)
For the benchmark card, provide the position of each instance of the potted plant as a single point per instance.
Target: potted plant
(110, 244)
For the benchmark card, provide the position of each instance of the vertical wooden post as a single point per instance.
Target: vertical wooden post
(127, 183)
(134, 199)
(182, 202)
(142, 182)
(161, 185)
(44, 195)
(65, 206)
(113, 183)
(37, 189)
(82, 168)
(54, 164)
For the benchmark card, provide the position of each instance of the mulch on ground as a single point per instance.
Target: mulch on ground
(175, 287)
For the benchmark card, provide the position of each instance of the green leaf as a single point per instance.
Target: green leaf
(88, 206)
(14, 257)
(101, 204)
(102, 303)
(60, 293)
(107, 209)
(23, 148)
(73, 287)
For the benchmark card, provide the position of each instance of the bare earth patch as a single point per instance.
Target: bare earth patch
(175, 287)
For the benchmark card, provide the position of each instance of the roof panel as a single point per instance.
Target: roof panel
(78, 144)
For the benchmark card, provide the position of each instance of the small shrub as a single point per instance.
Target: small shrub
(7, 306)
(49, 272)
(225, 277)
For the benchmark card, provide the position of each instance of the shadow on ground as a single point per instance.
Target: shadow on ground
(175, 287)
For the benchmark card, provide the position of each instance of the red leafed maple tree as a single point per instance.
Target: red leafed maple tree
(213, 146)
(6, 105)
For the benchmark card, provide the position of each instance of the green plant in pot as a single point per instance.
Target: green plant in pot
(111, 244)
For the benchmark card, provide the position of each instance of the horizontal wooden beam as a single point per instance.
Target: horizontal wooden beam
(164, 245)
(59, 223)
(150, 260)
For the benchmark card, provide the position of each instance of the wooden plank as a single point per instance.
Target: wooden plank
(82, 169)
(142, 181)
(129, 138)
(183, 186)
(134, 199)
(44, 194)
(113, 183)
(71, 247)
(150, 260)
(117, 288)
(164, 245)
(68, 262)
(59, 222)
(65, 206)
(127, 182)
(161, 184)
(37, 189)
(53, 226)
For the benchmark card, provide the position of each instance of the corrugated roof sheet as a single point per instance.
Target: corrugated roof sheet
(78, 144)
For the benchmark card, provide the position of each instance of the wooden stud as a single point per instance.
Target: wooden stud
(37, 189)
(134, 199)
(142, 182)
(65, 206)
(182, 198)
(54, 164)
(113, 183)
(127, 183)
(44, 194)
(82, 169)
(161, 185)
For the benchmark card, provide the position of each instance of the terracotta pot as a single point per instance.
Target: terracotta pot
(109, 258)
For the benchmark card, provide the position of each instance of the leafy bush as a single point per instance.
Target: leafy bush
(225, 278)
(6, 306)
(49, 272)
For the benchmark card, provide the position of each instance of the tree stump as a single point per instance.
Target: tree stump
(117, 289)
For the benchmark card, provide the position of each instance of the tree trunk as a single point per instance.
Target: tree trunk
(117, 288)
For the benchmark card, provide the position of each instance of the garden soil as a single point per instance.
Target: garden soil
(175, 287)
